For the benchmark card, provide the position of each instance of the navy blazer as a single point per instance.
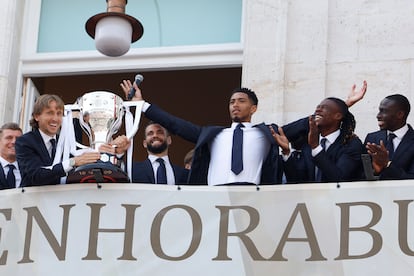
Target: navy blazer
(32, 156)
(341, 162)
(3, 181)
(142, 172)
(402, 165)
(272, 168)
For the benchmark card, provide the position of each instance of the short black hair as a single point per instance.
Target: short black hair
(250, 93)
(402, 103)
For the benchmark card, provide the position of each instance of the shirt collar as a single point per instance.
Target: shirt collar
(46, 138)
(399, 132)
(153, 158)
(4, 163)
(245, 124)
(331, 137)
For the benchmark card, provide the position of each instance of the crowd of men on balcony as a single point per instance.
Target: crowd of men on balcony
(320, 148)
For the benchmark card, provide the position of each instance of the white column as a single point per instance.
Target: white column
(264, 55)
(11, 17)
(285, 54)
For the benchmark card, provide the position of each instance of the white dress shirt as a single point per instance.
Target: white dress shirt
(399, 136)
(168, 167)
(330, 139)
(46, 140)
(255, 150)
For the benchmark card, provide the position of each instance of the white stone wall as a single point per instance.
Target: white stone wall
(11, 17)
(298, 52)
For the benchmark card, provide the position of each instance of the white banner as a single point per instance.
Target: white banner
(364, 228)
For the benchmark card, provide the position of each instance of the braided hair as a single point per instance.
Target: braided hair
(348, 122)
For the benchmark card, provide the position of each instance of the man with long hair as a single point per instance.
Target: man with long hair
(332, 151)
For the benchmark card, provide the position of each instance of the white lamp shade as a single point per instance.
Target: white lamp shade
(113, 36)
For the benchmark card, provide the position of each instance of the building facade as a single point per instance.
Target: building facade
(292, 53)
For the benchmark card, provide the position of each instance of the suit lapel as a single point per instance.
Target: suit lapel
(335, 144)
(331, 149)
(310, 165)
(383, 137)
(208, 135)
(405, 143)
(42, 146)
(174, 168)
(266, 131)
(3, 182)
(149, 171)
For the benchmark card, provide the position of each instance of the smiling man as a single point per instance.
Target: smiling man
(10, 174)
(332, 152)
(157, 168)
(391, 148)
(36, 149)
(257, 153)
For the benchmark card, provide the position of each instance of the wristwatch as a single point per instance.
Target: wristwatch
(388, 164)
(72, 162)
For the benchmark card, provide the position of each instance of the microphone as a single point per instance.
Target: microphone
(138, 79)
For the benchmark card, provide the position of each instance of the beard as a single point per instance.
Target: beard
(237, 119)
(157, 149)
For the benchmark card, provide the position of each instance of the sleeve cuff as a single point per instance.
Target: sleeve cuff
(145, 107)
(316, 150)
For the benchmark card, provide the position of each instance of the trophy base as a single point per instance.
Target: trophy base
(101, 172)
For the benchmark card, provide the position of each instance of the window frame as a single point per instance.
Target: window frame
(137, 59)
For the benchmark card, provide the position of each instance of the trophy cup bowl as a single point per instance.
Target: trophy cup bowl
(106, 112)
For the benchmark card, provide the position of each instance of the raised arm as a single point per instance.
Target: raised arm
(355, 95)
(126, 86)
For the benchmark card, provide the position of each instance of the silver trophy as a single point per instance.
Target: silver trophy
(106, 112)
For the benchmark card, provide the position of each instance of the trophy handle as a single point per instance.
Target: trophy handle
(132, 130)
(138, 109)
(81, 146)
(137, 118)
(70, 108)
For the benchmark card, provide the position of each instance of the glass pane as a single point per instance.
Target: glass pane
(166, 23)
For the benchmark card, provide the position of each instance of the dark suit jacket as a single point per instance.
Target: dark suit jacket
(32, 155)
(142, 172)
(202, 136)
(3, 181)
(402, 165)
(341, 162)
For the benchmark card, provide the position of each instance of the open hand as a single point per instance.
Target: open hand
(379, 155)
(281, 139)
(126, 87)
(355, 95)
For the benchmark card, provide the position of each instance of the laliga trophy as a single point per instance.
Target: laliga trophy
(106, 112)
